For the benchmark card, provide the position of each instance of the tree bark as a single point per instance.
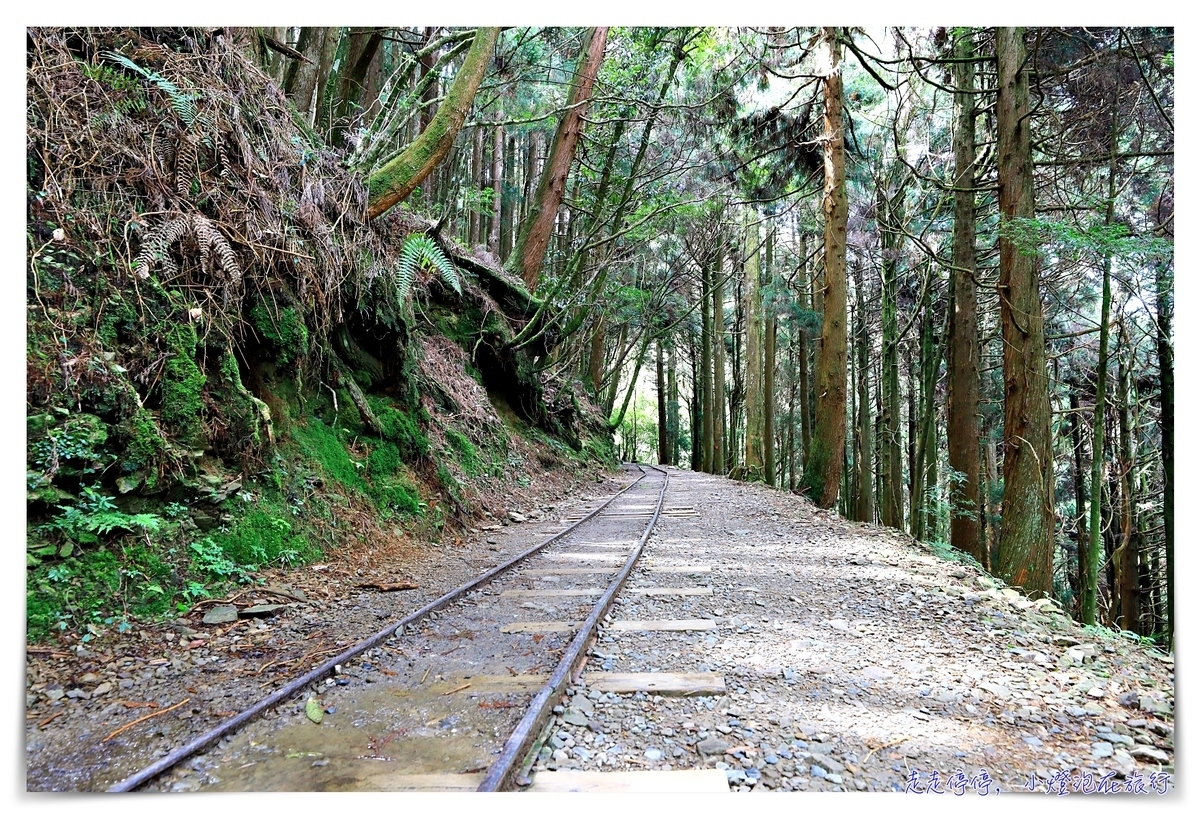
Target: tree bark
(1026, 557)
(891, 501)
(673, 406)
(706, 372)
(1129, 606)
(1164, 343)
(802, 357)
(400, 175)
(754, 351)
(768, 399)
(864, 454)
(530, 250)
(962, 343)
(823, 467)
(1091, 559)
(718, 362)
(660, 381)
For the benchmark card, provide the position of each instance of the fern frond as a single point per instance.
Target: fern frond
(156, 248)
(422, 252)
(183, 104)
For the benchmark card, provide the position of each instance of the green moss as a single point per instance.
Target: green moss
(183, 383)
(320, 443)
(117, 316)
(383, 460)
(262, 536)
(248, 418)
(401, 428)
(144, 442)
(467, 455)
(401, 497)
(286, 332)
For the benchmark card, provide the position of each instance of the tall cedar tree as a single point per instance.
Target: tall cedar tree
(823, 466)
(1026, 553)
(962, 346)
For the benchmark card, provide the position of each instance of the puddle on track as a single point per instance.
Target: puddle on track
(376, 733)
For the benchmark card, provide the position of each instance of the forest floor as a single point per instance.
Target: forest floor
(854, 658)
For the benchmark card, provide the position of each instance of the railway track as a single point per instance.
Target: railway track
(465, 693)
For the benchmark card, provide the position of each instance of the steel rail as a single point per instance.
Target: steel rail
(501, 771)
(292, 688)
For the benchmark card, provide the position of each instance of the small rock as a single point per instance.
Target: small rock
(1149, 754)
(258, 610)
(102, 688)
(987, 583)
(1102, 749)
(711, 746)
(653, 754)
(220, 615)
(574, 717)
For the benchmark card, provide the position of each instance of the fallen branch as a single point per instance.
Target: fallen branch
(120, 730)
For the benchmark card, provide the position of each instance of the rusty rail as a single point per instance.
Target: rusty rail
(503, 769)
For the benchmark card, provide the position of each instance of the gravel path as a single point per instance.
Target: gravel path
(853, 660)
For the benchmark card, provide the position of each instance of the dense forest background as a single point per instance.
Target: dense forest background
(922, 275)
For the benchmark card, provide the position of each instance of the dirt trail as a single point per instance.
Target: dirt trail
(854, 660)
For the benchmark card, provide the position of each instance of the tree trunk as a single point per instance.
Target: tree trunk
(823, 467)
(400, 175)
(1081, 520)
(660, 381)
(673, 406)
(863, 453)
(1127, 586)
(506, 203)
(1026, 557)
(428, 98)
(1164, 308)
(768, 400)
(706, 372)
(1091, 559)
(530, 250)
(718, 361)
(962, 342)
(891, 500)
(302, 78)
(361, 52)
(754, 355)
(802, 357)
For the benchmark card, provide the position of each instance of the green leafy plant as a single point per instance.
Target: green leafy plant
(422, 252)
(94, 516)
(183, 104)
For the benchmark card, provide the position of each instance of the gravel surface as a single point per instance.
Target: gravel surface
(853, 659)
(856, 660)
